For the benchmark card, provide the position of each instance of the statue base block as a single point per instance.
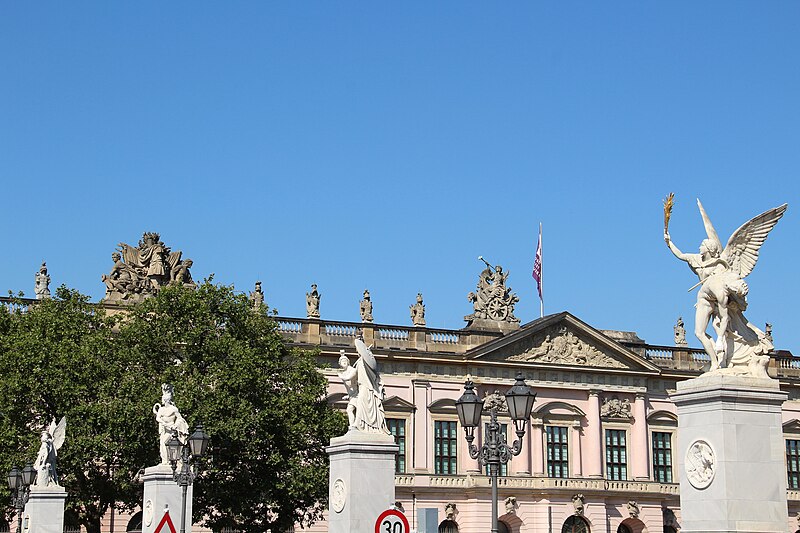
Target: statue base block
(161, 494)
(730, 454)
(361, 480)
(44, 512)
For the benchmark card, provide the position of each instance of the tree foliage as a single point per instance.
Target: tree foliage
(262, 402)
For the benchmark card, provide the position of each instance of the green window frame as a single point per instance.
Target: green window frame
(662, 457)
(445, 447)
(616, 455)
(557, 451)
(397, 427)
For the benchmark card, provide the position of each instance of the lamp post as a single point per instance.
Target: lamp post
(494, 451)
(20, 481)
(195, 448)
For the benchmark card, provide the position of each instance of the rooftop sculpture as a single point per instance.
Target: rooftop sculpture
(42, 286)
(493, 301)
(141, 271)
(740, 347)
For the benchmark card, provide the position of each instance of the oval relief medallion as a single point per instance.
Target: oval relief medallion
(700, 464)
(148, 513)
(338, 496)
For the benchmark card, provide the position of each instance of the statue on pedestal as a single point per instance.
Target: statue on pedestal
(680, 333)
(312, 302)
(47, 458)
(740, 347)
(170, 421)
(42, 285)
(257, 296)
(418, 311)
(364, 389)
(365, 307)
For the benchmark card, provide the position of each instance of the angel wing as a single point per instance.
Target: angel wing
(366, 354)
(710, 231)
(59, 433)
(741, 252)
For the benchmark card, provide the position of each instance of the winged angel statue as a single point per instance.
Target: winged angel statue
(47, 458)
(740, 347)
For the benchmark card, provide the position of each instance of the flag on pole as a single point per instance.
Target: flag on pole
(537, 271)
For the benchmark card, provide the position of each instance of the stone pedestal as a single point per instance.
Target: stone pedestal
(361, 480)
(44, 512)
(730, 455)
(162, 493)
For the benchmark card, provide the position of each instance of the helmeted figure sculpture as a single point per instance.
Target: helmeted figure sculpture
(47, 458)
(740, 347)
(170, 421)
(42, 283)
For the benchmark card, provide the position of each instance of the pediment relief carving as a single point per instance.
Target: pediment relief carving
(614, 408)
(560, 345)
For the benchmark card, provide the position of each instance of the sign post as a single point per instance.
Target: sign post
(392, 521)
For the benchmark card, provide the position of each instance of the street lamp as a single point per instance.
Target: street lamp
(195, 448)
(20, 481)
(494, 451)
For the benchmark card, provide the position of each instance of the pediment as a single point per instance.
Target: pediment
(562, 340)
(397, 404)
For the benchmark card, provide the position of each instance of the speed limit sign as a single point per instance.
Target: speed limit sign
(392, 521)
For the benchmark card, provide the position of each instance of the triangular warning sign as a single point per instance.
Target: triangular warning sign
(166, 520)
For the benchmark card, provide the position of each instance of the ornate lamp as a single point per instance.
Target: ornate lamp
(28, 475)
(198, 442)
(520, 399)
(14, 478)
(174, 448)
(469, 408)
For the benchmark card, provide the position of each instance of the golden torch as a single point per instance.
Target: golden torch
(668, 203)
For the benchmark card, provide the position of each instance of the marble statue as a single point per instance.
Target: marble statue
(141, 271)
(42, 283)
(364, 389)
(365, 307)
(493, 300)
(312, 302)
(47, 458)
(418, 311)
(680, 333)
(170, 421)
(257, 296)
(740, 347)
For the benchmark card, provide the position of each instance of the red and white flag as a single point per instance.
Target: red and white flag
(537, 270)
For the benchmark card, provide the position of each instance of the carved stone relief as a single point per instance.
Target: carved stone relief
(561, 346)
(616, 408)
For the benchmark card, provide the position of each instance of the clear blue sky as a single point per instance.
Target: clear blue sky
(387, 145)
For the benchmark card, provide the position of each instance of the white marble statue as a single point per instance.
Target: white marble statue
(364, 389)
(170, 421)
(740, 347)
(47, 458)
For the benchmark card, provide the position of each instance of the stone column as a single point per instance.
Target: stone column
(421, 427)
(576, 468)
(731, 454)
(361, 483)
(162, 494)
(641, 452)
(537, 451)
(44, 512)
(594, 437)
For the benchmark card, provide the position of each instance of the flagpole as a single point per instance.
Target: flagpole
(541, 275)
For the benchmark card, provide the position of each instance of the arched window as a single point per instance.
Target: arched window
(575, 524)
(135, 523)
(502, 527)
(448, 526)
(623, 529)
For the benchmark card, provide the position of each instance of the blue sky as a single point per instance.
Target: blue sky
(386, 146)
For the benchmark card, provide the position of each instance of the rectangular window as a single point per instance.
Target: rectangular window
(793, 463)
(616, 455)
(397, 427)
(557, 452)
(445, 442)
(503, 438)
(662, 457)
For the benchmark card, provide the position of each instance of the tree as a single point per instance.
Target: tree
(262, 402)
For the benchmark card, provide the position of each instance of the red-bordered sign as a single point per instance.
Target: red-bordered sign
(166, 520)
(391, 521)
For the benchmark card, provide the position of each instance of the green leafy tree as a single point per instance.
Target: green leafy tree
(262, 402)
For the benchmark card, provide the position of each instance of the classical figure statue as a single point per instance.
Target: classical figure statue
(418, 311)
(170, 421)
(141, 271)
(680, 333)
(42, 283)
(257, 296)
(365, 307)
(365, 407)
(493, 300)
(312, 302)
(740, 347)
(47, 458)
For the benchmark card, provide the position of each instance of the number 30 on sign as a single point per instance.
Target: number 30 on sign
(392, 521)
